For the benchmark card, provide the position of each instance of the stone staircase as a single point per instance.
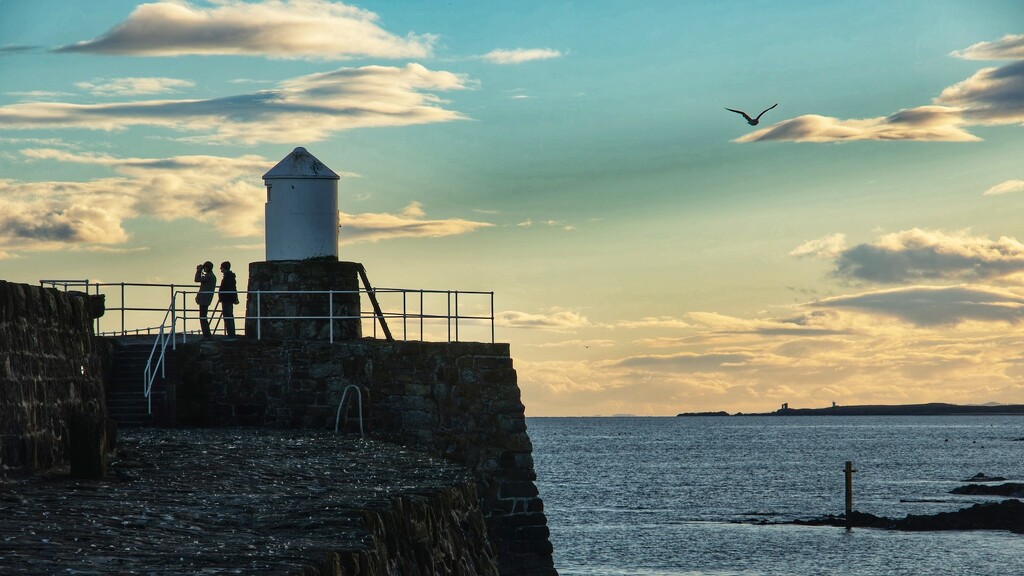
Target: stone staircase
(125, 402)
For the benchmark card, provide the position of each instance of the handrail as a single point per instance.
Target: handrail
(359, 396)
(149, 374)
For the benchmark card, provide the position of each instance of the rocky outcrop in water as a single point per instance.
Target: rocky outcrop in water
(1009, 489)
(1005, 515)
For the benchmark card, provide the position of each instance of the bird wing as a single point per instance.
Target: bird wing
(765, 110)
(741, 112)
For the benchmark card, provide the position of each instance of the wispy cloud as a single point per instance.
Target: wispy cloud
(15, 49)
(409, 223)
(655, 322)
(991, 96)
(596, 343)
(1009, 47)
(686, 362)
(936, 305)
(824, 247)
(914, 255)
(558, 319)
(274, 28)
(133, 86)
(520, 55)
(1008, 187)
(560, 224)
(33, 94)
(57, 215)
(304, 109)
(931, 123)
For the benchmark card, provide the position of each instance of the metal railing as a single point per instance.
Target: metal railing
(409, 306)
(119, 290)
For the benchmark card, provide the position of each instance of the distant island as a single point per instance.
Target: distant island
(932, 409)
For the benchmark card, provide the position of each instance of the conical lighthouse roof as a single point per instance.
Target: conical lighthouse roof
(300, 164)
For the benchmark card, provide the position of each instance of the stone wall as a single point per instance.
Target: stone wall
(436, 533)
(458, 401)
(49, 374)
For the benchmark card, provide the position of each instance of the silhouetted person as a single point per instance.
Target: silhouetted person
(207, 283)
(228, 296)
(753, 121)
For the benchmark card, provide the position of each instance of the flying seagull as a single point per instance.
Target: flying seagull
(753, 121)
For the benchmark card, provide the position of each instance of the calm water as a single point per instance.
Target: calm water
(668, 496)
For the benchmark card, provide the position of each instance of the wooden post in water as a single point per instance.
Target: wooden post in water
(849, 494)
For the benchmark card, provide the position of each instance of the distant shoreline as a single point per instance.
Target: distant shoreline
(933, 409)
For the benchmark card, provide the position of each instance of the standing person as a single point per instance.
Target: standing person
(228, 296)
(207, 282)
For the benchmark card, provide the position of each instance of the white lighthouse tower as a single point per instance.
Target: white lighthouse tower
(302, 284)
(301, 209)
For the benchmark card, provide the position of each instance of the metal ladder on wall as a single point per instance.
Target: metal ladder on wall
(359, 396)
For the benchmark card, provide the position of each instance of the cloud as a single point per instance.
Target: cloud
(813, 324)
(57, 215)
(655, 322)
(1009, 47)
(579, 344)
(15, 49)
(559, 224)
(934, 306)
(409, 223)
(930, 123)
(1007, 187)
(273, 28)
(133, 86)
(825, 247)
(557, 319)
(304, 109)
(26, 94)
(916, 254)
(991, 96)
(858, 349)
(685, 362)
(520, 55)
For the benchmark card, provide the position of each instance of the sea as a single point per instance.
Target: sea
(694, 496)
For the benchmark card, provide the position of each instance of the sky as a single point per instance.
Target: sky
(650, 252)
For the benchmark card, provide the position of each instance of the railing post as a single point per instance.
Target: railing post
(184, 316)
(330, 313)
(259, 317)
(97, 294)
(492, 317)
(122, 309)
(421, 314)
(174, 319)
(456, 315)
(405, 317)
(449, 316)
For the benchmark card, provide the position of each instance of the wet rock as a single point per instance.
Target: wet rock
(981, 477)
(1005, 515)
(1010, 489)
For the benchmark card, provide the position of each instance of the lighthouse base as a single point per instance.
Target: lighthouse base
(299, 299)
